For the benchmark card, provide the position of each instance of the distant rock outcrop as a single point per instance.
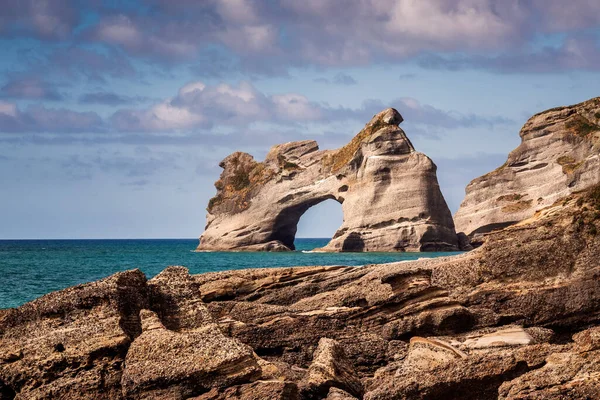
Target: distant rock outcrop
(389, 195)
(559, 154)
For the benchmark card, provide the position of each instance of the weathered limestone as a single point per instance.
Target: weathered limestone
(389, 195)
(559, 154)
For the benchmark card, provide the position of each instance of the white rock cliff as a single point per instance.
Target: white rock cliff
(558, 155)
(389, 193)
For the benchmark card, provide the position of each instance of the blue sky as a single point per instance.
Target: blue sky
(114, 115)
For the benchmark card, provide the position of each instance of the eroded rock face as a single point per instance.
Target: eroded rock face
(559, 154)
(389, 195)
(72, 344)
(517, 318)
(176, 365)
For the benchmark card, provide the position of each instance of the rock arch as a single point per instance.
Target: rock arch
(389, 194)
(286, 222)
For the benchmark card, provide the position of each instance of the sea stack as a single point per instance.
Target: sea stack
(558, 155)
(389, 194)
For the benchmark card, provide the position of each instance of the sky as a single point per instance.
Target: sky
(114, 115)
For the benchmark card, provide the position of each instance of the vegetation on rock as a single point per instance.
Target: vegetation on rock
(569, 164)
(343, 156)
(580, 126)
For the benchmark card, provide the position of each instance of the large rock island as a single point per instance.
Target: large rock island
(389, 193)
(559, 154)
(517, 318)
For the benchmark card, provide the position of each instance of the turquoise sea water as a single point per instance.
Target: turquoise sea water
(31, 268)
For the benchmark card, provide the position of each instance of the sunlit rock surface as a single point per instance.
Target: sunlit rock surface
(389, 193)
(559, 154)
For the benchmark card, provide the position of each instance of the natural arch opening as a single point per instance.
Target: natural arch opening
(322, 221)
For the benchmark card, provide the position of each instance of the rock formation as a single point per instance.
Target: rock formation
(517, 318)
(559, 154)
(389, 194)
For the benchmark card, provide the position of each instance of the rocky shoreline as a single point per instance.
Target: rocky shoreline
(514, 319)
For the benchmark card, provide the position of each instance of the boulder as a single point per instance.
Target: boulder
(389, 194)
(72, 344)
(163, 364)
(573, 374)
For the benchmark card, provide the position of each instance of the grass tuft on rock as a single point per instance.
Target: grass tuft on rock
(580, 126)
(240, 180)
(343, 156)
(569, 164)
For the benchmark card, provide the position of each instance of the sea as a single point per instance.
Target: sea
(32, 268)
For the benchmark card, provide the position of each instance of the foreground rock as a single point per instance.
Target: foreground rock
(72, 344)
(517, 318)
(330, 369)
(389, 195)
(559, 154)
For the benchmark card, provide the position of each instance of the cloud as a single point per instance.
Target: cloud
(407, 76)
(418, 115)
(42, 19)
(39, 119)
(111, 99)
(198, 105)
(201, 106)
(338, 79)
(93, 64)
(31, 88)
(577, 52)
(142, 40)
(343, 79)
(228, 37)
(272, 36)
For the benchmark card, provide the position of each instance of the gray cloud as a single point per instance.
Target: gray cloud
(343, 79)
(136, 167)
(47, 20)
(416, 113)
(38, 118)
(577, 52)
(198, 106)
(30, 88)
(338, 79)
(408, 76)
(79, 61)
(269, 37)
(111, 99)
(223, 37)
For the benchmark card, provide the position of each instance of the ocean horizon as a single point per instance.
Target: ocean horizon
(34, 267)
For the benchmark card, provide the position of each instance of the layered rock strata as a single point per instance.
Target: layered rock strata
(389, 194)
(559, 154)
(517, 318)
